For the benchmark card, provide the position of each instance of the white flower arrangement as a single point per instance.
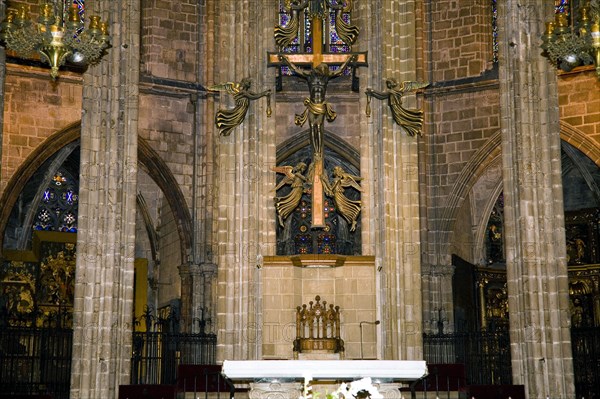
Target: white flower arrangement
(359, 389)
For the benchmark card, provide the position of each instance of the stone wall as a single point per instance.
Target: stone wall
(351, 287)
(35, 108)
(170, 39)
(579, 103)
(461, 43)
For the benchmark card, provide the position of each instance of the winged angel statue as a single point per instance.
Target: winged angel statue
(409, 119)
(228, 119)
(294, 177)
(349, 209)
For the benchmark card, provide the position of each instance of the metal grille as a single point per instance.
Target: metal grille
(586, 361)
(35, 361)
(156, 355)
(485, 354)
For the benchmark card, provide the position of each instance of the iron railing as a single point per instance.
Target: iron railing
(35, 361)
(485, 354)
(156, 355)
(158, 351)
(586, 361)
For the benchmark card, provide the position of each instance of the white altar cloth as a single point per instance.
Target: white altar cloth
(397, 370)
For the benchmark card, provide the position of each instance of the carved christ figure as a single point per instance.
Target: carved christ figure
(349, 209)
(409, 119)
(227, 120)
(317, 109)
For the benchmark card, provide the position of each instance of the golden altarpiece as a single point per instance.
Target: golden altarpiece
(583, 260)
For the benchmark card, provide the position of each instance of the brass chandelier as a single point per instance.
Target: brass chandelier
(53, 38)
(569, 45)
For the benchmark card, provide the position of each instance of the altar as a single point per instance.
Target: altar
(284, 379)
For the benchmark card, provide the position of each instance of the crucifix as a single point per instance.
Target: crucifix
(317, 77)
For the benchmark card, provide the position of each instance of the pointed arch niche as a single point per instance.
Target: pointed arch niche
(296, 237)
(38, 220)
(479, 253)
(347, 280)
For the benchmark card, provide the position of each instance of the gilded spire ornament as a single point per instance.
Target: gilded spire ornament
(317, 11)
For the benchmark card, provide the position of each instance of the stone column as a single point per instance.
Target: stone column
(102, 317)
(390, 159)
(244, 225)
(209, 277)
(533, 205)
(188, 283)
(196, 296)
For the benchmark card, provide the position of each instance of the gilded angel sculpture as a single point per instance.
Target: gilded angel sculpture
(294, 177)
(409, 119)
(349, 209)
(227, 120)
(285, 35)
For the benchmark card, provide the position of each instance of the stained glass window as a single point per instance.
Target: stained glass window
(571, 8)
(561, 6)
(494, 238)
(297, 236)
(495, 30)
(58, 206)
(303, 43)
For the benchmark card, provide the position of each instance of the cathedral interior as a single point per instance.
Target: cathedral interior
(188, 182)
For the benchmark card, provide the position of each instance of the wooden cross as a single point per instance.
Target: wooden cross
(314, 59)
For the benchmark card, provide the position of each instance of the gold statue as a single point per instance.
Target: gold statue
(346, 207)
(293, 176)
(227, 120)
(317, 109)
(409, 119)
(285, 35)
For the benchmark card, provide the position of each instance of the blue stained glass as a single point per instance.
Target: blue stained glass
(495, 48)
(48, 195)
(307, 32)
(57, 210)
(70, 197)
(561, 6)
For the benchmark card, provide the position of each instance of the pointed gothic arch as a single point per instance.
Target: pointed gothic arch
(147, 159)
(581, 141)
(488, 155)
(296, 235)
